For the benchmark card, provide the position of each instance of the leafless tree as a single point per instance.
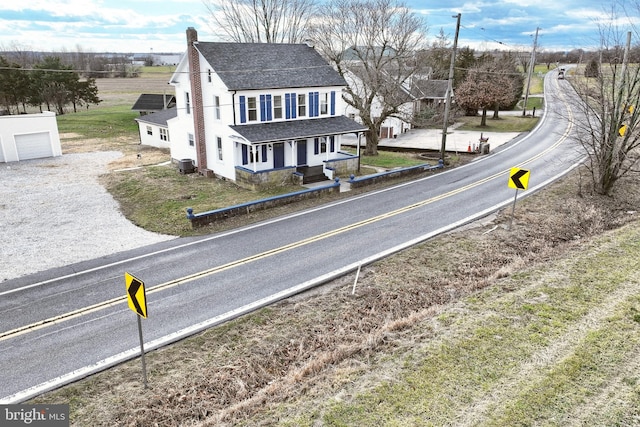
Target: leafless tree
(372, 44)
(262, 21)
(485, 87)
(22, 55)
(609, 124)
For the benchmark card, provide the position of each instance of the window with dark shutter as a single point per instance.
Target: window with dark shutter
(245, 155)
(265, 108)
(243, 111)
(333, 103)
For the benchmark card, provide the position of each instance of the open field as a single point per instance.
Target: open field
(539, 325)
(125, 91)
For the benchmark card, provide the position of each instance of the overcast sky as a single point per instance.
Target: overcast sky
(159, 26)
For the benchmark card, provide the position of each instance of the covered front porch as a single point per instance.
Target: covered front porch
(302, 151)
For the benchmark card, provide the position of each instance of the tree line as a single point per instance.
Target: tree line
(49, 83)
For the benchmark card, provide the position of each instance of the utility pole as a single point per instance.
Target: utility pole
(447, 106)
(625, 58)
(532, 64)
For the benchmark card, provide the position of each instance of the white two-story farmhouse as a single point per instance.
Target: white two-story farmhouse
(259, 113)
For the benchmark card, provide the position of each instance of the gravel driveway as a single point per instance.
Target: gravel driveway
(53, 212)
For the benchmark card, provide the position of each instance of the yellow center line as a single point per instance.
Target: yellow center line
(180, 281)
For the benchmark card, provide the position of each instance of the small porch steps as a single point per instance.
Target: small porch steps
(312, 174)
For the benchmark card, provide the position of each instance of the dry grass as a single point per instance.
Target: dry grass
(133, 153)
(245, 372)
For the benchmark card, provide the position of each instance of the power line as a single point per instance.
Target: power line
(484, 36)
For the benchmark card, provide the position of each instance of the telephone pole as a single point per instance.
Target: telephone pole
(447, 106)
(532, 64)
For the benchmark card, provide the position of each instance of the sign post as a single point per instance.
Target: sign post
(137, 300)
(519, 180)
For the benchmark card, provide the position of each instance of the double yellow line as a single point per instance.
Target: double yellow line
(183, 280)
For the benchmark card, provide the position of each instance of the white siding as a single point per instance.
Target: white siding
(230, 115)
(154, 139)
(28, 136)
(178, 131)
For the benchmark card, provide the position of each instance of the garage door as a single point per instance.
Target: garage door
(34, 146)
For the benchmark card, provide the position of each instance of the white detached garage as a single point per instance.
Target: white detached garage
(29, 136)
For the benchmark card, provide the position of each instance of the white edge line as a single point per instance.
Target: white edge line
(259, 224)
(230, 315)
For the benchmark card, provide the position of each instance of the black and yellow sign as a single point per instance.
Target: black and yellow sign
(136, 295)
(519, 178)
(623, 130)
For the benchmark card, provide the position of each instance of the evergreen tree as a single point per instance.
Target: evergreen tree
(592, 69)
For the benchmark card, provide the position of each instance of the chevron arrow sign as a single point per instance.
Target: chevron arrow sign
(519, 178)
(136, 295)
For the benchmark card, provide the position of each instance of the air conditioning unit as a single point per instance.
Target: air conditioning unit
(186, 166)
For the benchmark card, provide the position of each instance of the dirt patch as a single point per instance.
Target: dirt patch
(134, 154)
(317, 342)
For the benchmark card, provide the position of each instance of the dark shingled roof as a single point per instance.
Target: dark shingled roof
(159, 118)
(430, 89)
(247, 66)
(153, 102)
(297, 129)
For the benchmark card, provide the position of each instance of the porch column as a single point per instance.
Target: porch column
(327, 146)
(253, 152)
(294, 153)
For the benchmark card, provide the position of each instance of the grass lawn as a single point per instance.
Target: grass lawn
(100, 122)
(389, 159)
(505, 123)
(156, 197)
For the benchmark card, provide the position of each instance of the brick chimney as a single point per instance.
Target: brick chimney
(196, 100)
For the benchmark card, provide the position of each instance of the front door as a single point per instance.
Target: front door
(278, 155)
(302, 152)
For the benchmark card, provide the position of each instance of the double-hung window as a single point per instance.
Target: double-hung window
(324, 104)
(216, 107)
(277, 107)
(320, 145)
(187, 102)
(302, 105)
(219, 142)
(252, 108)
(164, 134)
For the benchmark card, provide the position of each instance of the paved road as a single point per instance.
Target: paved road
(64, 324)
